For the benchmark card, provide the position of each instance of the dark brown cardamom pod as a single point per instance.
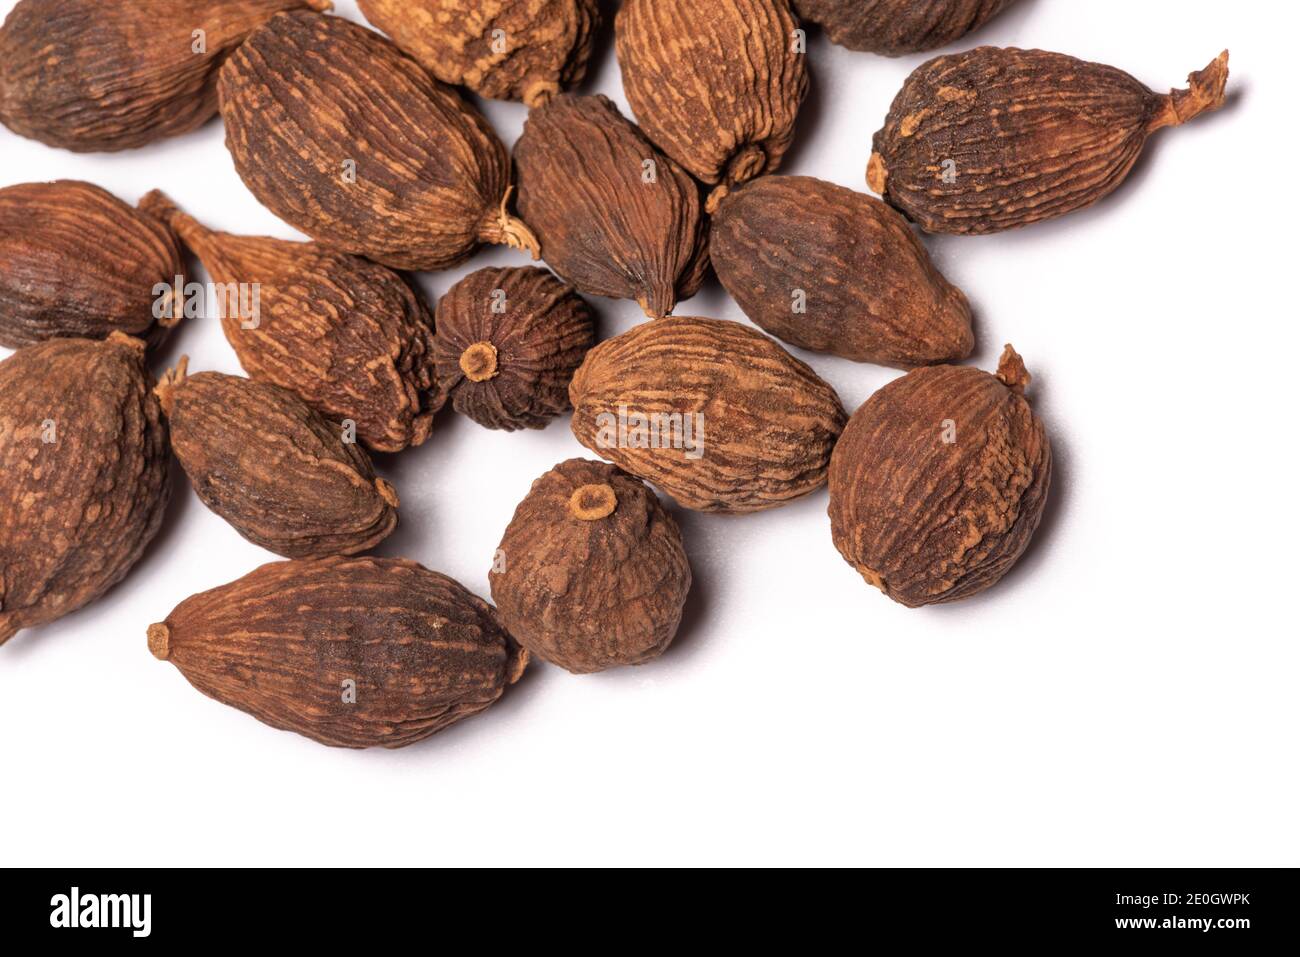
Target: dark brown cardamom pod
(274, 468)
(91, 76)
(524, 50)
(343, 137)
(940, 481)
(614, 215)
(350, 652)
(83, 474)
(831, 270)
(591, 573)
(351, 338)
(77, 262)
(715, 84)
(996, 139)
(717, 415)
(509, 341)
(897, 27)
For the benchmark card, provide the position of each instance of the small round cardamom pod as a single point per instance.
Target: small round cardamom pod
(898, 27)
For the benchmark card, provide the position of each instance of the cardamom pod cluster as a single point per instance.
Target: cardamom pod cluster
(939, 482)
(281, 474)
(615, 216)
(77, 262)
(995, 139)
(525, 50)
(92, 76)
(83, 474)
(716, 84)
(508, 343)
(828, 269)
(350, 652)
(351, 338)
(712, 412)
(343, 137)
(898, 27)
(591, 572)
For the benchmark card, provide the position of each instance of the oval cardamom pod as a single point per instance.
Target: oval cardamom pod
(524, 50)
(940, 481)
(716, 85)
(712, 412)
(897, 27)
(83, 474)
(352, 143)
(614, 215)
(591, 573)
(77, 262)
(828, 269)
(91, 76)
(274, 468)
(351, 338)
(996, 139)
(350, 652)
(508, 343)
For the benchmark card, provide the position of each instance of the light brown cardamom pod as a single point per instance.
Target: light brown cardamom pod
(828, 269)
(274, 468)
(712, 412)
(614, 215)
(350, 652)
(524, 50)
(354, 144)
(940, 481)
(351, 338)
(996, 139)
(898, 27)
(716, 84)
(90, 75)
(83, 474)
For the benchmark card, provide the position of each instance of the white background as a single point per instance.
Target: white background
(1127, 695)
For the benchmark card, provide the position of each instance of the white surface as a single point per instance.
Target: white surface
(1126, 696)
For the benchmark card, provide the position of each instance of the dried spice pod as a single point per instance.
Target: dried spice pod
(83, 474)
(343, 137)
(831, 270)
(717, 415)
(525, 50)
(350, 652)
(351, 338)
(614, 215)
(509, 341)
(77, 262)
(897, 27)
(940, 481)
(91, 76)
(996, 139)
(716, 84)
(591, 573)
(280, 473)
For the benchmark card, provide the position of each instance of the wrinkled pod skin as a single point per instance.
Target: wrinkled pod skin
(107, 75)
(898, 27)
(615, 217)
(351, 338)
(350, 652)
(591, 573)
(83, 474)
(343, 137)
(716, 84)
(996, 139)
(274, 468)
(712, 412)
(828, 269)
(508, 343)
(939, 482)
(77, 262)
(526, 50)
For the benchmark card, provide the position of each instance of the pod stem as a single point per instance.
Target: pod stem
(160, 640)
(192, 233)
(877, 174)
(479, 362)
(744, 166)
(505, 230)
(387, 493)
(166, 388)
(320, 6)
(1012, 372)
(1207, 90)
(591, 503)
(540, 92)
